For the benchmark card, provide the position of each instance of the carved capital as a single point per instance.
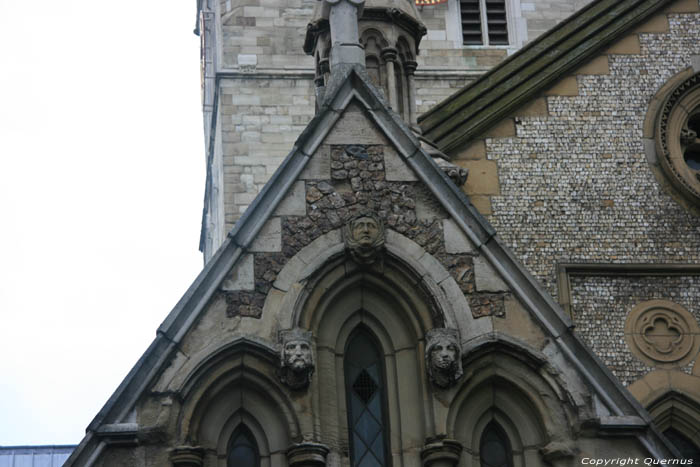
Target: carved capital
(441, 452)
(307, 455)
(389, 54)
(410, 67)
(187, 456)
(296, 358)
(443, 356)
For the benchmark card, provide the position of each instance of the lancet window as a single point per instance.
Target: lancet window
(365, 390)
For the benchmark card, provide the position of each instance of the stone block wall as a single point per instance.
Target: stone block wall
(267, 96)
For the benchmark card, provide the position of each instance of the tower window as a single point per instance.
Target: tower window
(494, 448)
(243, 450)
(484, 22)
(366, 396)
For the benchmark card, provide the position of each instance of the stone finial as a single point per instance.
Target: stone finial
(443, 356)
(342, 16)
(364, 238)
(296, 358)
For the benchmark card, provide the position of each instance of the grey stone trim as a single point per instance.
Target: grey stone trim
(566, 270)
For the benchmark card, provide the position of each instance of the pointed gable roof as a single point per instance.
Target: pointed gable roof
(468, 113)
(350, 83)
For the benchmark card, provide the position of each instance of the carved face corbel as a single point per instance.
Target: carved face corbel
(443, 357)
(296, 358)
(364, 238)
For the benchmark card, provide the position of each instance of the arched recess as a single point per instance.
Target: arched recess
(679, 413)
(390, 303)
(237, 386)
(511, 388)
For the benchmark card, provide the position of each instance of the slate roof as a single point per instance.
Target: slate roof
(468, 113)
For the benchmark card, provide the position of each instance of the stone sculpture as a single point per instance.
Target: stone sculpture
(297, 360)
(443, 357)
(364, 238)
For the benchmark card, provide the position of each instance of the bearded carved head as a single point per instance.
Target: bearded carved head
(296, 358)
(364, 238)
(443, 356)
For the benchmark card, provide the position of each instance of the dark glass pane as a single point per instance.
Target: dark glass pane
(494, 448)
(243, 450)
(364, 385)
(692, 156)
(686, 447)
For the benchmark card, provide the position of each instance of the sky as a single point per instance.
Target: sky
(102, 172)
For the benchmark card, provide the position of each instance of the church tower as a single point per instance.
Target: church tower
(264, 63)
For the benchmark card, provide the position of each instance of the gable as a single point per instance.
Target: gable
(442, 267)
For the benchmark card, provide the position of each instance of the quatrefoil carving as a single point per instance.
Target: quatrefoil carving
(662, 333)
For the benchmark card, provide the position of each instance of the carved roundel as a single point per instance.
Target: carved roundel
(662, 333)
(678, 137)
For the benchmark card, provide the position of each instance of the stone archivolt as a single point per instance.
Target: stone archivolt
(662, 333)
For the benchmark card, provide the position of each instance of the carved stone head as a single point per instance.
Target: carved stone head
(296, 358)
(443, 356)
(364, 238)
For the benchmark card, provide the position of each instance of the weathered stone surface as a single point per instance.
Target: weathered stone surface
(241, 276)
(456, 240)
(319, 165)
(294, 203)
(487, 279)
(269, 238)
(487, 304)
(396, 168)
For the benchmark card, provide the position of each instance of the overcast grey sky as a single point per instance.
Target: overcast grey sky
(101, 186)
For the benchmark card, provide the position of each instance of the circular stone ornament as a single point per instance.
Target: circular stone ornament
(677, 135)
(662, 333)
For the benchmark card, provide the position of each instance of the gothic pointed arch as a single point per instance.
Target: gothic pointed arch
(234, 397)
(677, 416)
(388, 305)
(509, 398)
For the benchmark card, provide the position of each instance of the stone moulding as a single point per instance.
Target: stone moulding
(307, 455)
(566, 270)
(441, 452)
(671, 135)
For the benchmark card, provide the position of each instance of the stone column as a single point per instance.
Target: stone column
(441, 453)
(410, 69)
(389, 56)
(187, 456)
(307, 455)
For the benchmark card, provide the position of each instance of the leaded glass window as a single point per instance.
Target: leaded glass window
(494, 448)
(242, 449)
(366, 394)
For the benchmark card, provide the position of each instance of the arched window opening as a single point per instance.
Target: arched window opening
(243, 450)
(494, 448)
(366, 401)
(687, 448)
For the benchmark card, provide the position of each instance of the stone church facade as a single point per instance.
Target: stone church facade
(507, 277)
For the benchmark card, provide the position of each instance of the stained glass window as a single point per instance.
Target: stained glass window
(242, 449)
(365, 392)
(494, 448)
